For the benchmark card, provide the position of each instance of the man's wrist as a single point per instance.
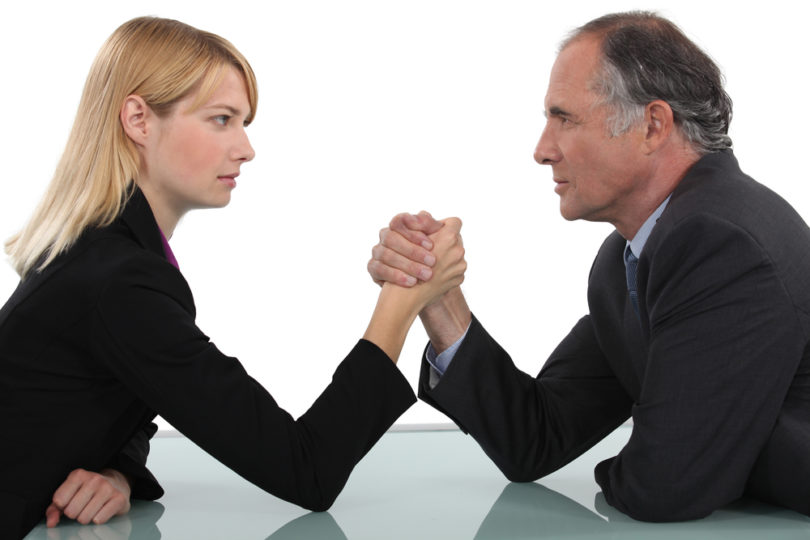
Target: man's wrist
(446, 319)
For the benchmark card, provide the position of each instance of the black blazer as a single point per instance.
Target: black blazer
(715, 370)
(104, 338)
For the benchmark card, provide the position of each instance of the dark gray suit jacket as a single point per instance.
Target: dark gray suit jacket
(104, 338)
(715, 370)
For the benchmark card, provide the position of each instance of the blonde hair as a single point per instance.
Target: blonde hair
(162, 61)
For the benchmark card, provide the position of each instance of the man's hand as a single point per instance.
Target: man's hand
(90, 497)
(403, 255)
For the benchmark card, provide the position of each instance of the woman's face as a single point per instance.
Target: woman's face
(191, 158)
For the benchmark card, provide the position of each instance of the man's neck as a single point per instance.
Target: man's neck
(665, 176)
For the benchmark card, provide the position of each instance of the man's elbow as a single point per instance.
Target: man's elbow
(661, 507)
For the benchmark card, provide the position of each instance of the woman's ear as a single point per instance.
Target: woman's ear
(135, 116)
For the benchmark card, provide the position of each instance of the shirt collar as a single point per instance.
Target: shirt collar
(638, 241)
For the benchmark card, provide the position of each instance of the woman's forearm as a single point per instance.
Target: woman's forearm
(393, 316)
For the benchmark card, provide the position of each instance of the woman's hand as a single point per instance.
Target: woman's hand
(90, 497)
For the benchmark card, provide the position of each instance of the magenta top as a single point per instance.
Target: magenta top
(168, 251)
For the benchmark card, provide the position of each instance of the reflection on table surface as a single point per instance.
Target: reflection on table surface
(414, 485)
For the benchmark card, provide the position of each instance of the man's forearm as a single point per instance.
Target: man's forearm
(446, 319)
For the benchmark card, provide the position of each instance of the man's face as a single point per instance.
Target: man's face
(596, 175)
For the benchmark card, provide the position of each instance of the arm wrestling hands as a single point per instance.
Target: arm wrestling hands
(90, 497)
(406, 256)
(401, 301)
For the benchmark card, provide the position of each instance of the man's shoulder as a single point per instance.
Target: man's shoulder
(716, 186)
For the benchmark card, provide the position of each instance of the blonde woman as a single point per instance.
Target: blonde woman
(100, 334)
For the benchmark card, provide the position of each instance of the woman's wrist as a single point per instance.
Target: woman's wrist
(393, 316)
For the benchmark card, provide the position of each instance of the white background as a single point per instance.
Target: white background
(370, 108)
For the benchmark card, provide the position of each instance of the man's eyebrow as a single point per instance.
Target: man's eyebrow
(556, 112)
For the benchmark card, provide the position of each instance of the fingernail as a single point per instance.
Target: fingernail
(425, 274)
(410, 281)
(430, 259)
(427, 244)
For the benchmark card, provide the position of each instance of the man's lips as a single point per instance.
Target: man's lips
(561, 184)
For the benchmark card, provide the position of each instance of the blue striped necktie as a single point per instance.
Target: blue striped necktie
(630, 265)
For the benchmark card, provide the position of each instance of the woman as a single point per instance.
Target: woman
(100, 335)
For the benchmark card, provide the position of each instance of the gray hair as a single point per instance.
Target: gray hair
(646, 57)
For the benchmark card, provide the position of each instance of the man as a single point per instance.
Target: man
(699, 302)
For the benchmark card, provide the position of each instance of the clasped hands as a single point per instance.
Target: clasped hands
(416, 248)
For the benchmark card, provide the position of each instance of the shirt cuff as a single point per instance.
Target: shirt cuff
(440, 362)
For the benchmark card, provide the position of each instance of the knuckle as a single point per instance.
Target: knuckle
(413, 268)
(414, 253)
(96, 481)
(383, 257)
(398, 221)
(376, 271)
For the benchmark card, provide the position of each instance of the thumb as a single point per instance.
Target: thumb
(423, 222)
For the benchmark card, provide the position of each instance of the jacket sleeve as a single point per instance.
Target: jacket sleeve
(146, 333)
(724, 347)
(530, 426)
(131, 461)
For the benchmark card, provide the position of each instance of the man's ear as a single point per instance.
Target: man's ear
(135, 117)
(659, 122)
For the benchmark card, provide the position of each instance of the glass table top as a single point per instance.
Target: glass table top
(412, 485)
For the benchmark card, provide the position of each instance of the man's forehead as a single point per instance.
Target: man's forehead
(571, 76)
(576, 62)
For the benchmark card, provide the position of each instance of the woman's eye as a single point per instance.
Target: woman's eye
(222, 119)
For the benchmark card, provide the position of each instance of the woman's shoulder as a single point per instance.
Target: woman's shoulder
(114, 257)
(102, 258)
